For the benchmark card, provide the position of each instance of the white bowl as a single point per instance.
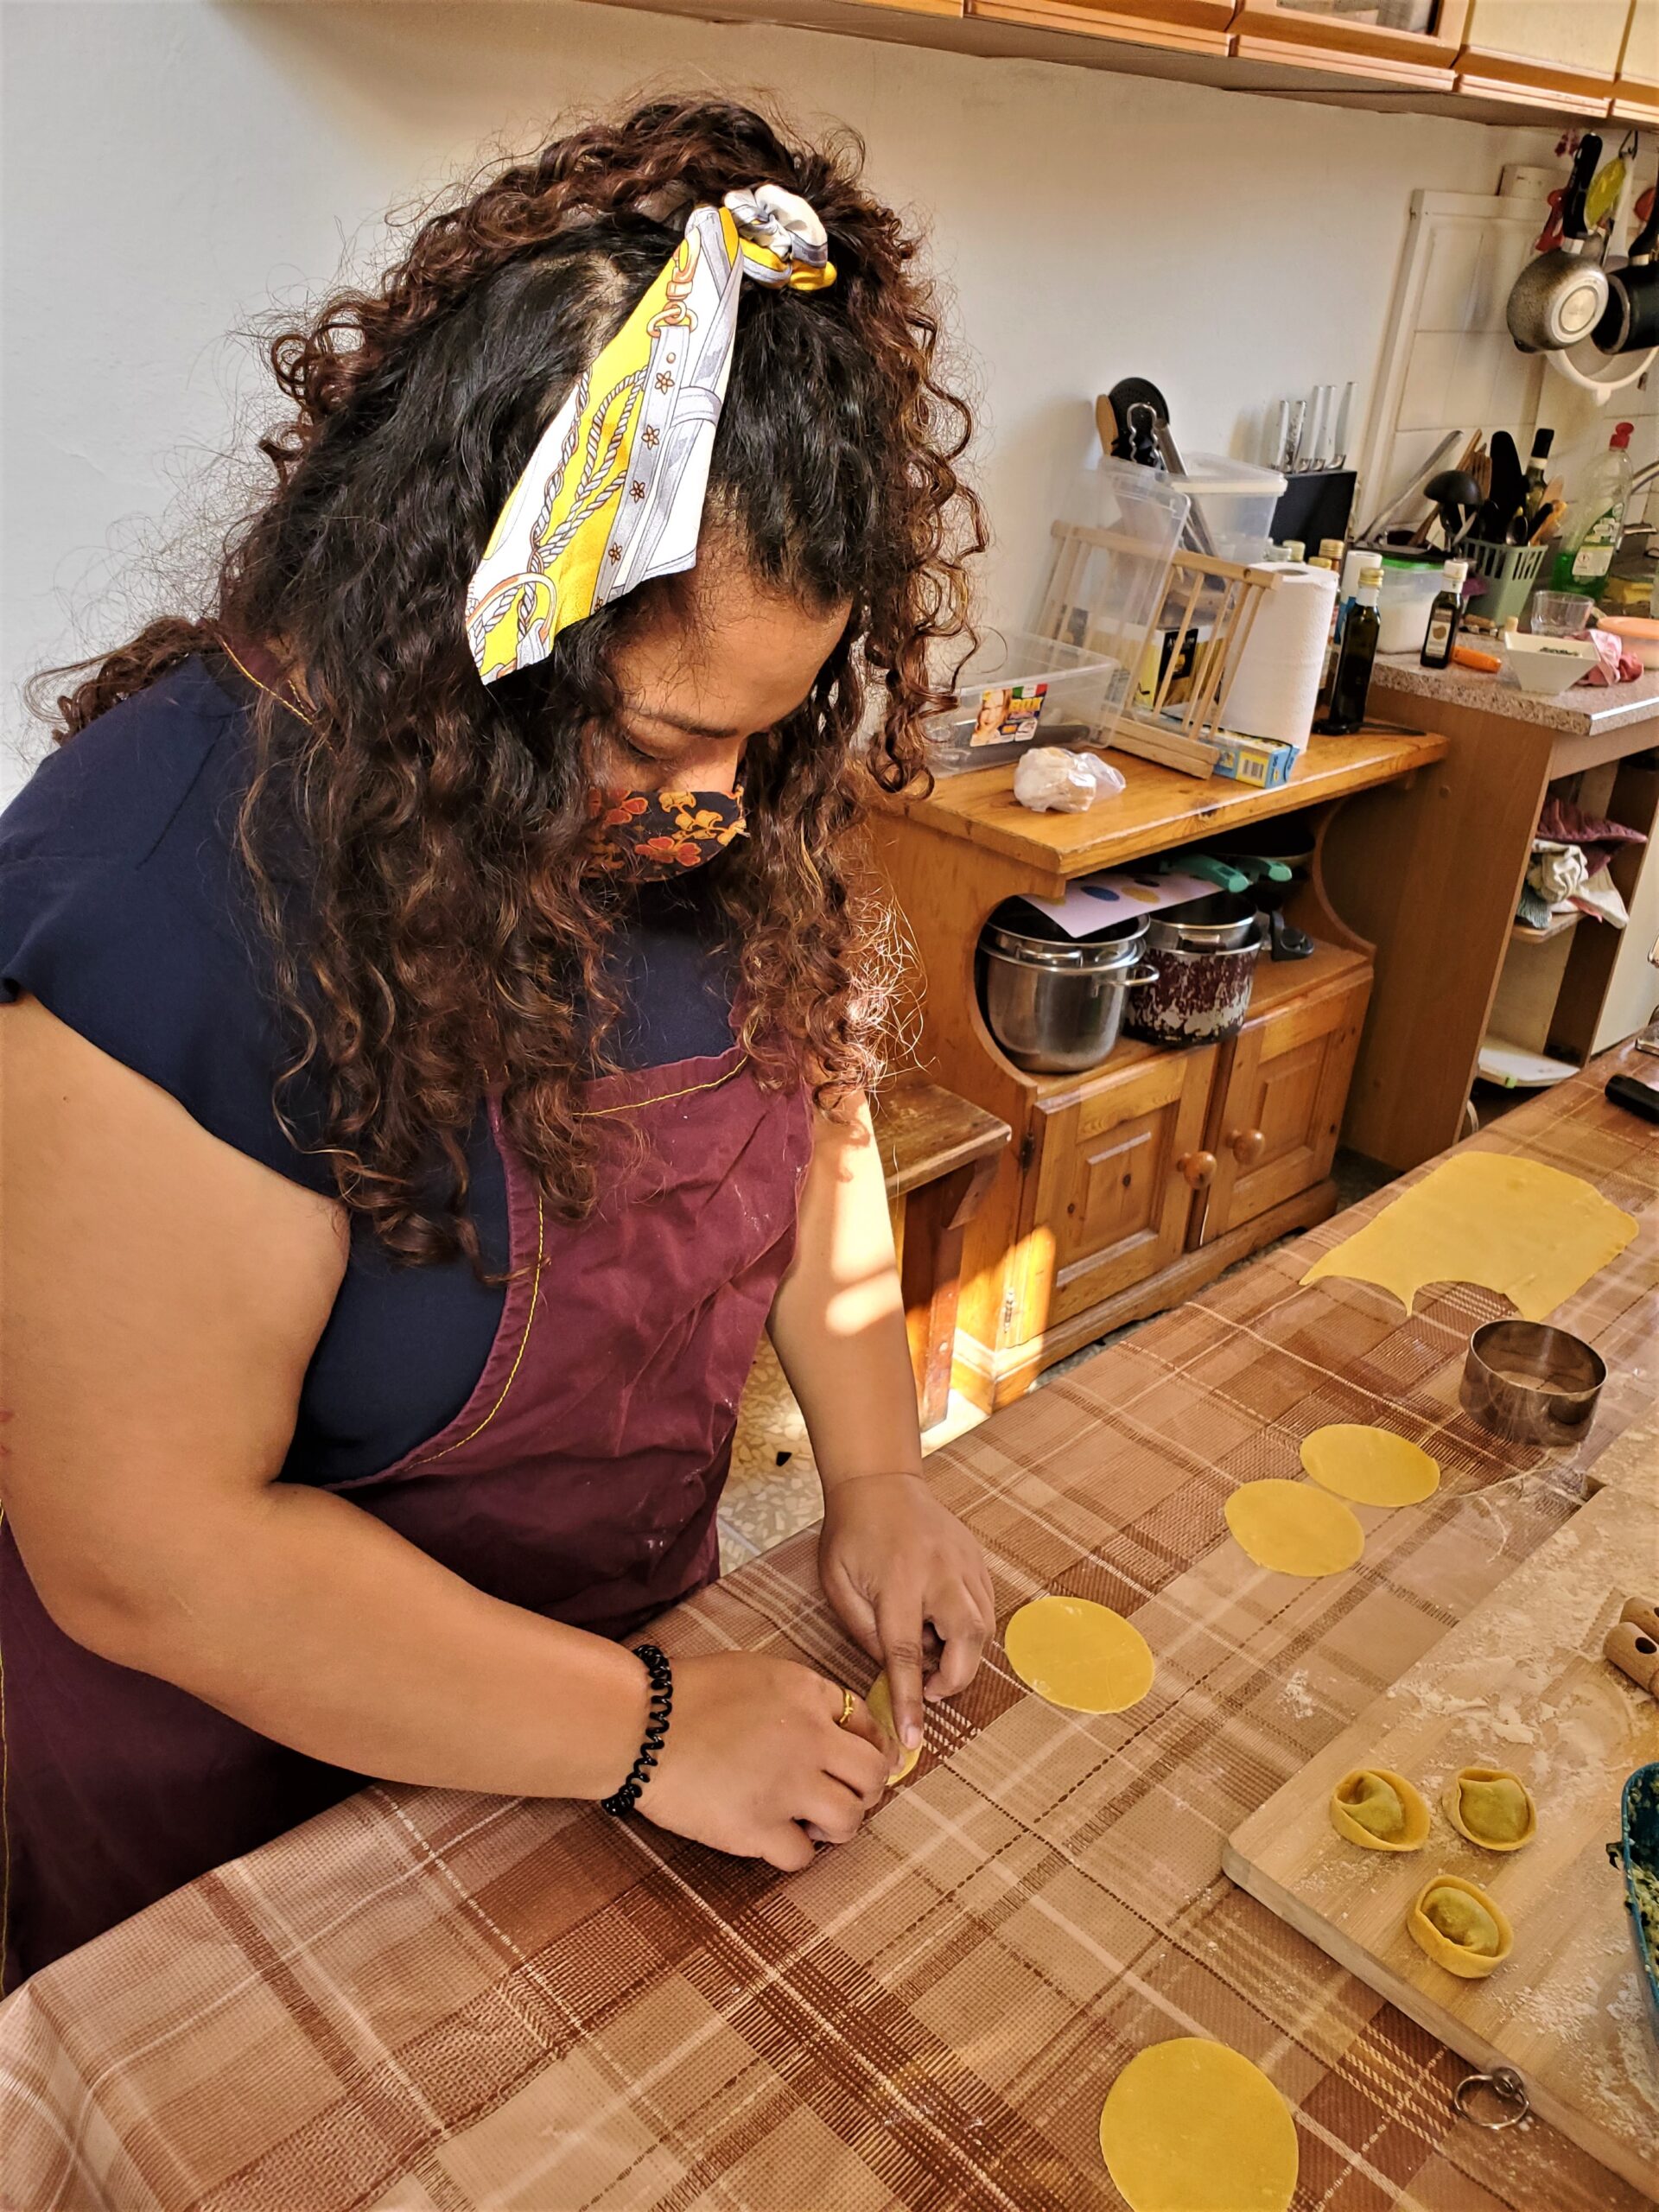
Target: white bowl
(1547, 666)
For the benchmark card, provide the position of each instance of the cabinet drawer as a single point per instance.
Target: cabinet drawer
(1108, 1203)
(1279, 1100)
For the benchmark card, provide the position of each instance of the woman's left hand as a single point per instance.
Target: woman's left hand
(910, 1585)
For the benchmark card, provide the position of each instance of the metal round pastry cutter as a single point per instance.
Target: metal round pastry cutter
(1531, 1384)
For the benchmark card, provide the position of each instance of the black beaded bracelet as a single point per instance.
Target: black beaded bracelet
(661, 1704)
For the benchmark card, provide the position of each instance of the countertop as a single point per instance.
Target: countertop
(1158, 807)
(430, 1997)
(1585, 710)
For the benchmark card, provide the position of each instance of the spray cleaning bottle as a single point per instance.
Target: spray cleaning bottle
(1591, 533)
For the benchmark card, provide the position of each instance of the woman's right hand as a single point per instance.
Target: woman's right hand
(756, 1765)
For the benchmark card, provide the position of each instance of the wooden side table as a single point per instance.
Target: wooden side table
(939, 1154)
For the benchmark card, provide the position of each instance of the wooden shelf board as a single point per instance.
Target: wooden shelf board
(1025, 30)
(1559, 925)
(1157, 808)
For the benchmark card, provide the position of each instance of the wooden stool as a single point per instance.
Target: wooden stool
(938, 1154)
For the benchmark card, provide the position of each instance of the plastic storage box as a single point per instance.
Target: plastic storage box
(1017, 691)
(1232, 502)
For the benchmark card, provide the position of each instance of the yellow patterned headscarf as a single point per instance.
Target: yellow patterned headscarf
(613, 492)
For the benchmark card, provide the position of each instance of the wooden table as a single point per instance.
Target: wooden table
(437, 2002)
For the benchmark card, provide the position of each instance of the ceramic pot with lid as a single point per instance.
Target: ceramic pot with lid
(1206, 953)
(1054, 1003)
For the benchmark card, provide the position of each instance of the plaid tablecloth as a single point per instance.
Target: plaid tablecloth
(441, 2002)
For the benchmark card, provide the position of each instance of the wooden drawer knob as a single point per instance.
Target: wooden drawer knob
(1198, 1169)
(1248, 1145)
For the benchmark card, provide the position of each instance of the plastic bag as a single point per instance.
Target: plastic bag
(1051, 780)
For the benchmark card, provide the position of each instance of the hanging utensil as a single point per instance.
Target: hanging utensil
(1560, 296)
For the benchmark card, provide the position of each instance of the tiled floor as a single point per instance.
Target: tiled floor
(773, 1489)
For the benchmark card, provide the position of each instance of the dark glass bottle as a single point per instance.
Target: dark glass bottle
(1444, 616)
(1352, 680)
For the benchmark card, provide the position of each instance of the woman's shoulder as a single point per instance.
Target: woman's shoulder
(113, 792)
(126, 910)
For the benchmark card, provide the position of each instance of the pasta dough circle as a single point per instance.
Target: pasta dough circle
(879, 1697)
(1371, 1466)
(1294, 1527)
(1192, 2127)
(1079, 1655)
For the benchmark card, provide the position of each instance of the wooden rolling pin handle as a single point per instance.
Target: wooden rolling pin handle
(1632, 1644)
(1248, 1145)
(1198, 1169)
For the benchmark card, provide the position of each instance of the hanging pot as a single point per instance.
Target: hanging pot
(1559, 297)
(1630, 322)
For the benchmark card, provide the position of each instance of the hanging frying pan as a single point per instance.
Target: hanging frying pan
(1630, 320)
(1560, 296)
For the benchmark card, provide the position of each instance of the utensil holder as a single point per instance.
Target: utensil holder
(1511, 573)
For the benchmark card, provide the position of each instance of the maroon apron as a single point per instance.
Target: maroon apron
(579, 1480)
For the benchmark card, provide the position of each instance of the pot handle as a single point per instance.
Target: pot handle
(1146, 973)
(1573, 199)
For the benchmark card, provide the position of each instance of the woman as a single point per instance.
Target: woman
(442, 1006)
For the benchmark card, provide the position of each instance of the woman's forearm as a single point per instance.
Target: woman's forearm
(307, 1620)
(838, 1320)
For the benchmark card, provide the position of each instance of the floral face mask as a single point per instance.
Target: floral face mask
(646, 836)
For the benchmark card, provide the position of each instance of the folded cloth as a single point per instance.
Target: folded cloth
(1561, 822)
(1613, 664)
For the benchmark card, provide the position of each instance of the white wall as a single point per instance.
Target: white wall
(171, 166)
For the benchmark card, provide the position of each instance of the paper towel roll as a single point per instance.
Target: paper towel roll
(1276, 685)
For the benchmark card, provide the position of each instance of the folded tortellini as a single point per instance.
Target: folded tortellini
(1460, 1926)
(1490, 1807)
(1380, 1809)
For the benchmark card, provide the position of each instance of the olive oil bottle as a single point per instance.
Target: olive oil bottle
(1352, 680)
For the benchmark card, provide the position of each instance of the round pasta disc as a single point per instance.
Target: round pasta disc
(1192, 2127)
(1371, 1466)
(1079, 1655)
(1294, 1527)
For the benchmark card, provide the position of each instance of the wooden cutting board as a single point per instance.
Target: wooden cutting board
(1520, 1683)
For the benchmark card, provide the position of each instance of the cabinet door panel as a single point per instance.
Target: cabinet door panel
(1111, 1201)
(1275, 1133)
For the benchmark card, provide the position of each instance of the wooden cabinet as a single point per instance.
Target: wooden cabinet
(1545, 51)
(1278, 1100)
(1415, 43)
(1177, 26)
(1108, 1196)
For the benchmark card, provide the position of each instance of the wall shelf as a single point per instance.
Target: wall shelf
(1182, 43)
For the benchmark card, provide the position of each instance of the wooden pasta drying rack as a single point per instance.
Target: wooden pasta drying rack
(1223, 597)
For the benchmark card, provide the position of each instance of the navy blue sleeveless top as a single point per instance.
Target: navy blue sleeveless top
(127, 911)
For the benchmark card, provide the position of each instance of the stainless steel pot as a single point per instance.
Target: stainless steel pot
(1219, 923)
(1055, 1005)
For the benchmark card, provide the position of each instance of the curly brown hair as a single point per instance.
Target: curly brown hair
(417, 846)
